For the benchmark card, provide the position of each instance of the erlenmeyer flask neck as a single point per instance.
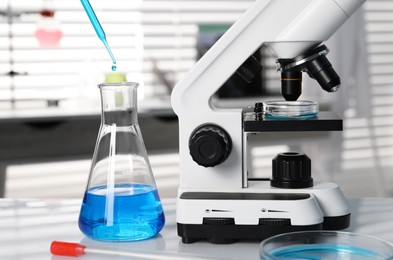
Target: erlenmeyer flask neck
(119, 103)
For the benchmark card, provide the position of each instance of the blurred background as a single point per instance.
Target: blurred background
(51, 62)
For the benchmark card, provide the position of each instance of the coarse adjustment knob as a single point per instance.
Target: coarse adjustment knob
(210, 145)
(291, 170)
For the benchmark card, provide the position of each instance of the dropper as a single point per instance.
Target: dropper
(97, 27)
(76, 249)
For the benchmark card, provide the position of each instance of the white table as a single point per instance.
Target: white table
(28, 226)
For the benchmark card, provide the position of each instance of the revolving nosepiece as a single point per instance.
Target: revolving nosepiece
(317, 66)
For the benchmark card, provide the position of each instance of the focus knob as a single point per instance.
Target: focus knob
(210, 145)
(291, 170)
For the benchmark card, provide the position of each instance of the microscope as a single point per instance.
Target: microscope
(217, 201)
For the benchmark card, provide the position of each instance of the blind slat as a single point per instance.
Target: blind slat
(139, 32)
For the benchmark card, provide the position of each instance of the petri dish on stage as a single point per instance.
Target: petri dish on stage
(290, 109)
(315, 245)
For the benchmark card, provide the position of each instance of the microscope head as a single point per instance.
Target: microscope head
(317, 66)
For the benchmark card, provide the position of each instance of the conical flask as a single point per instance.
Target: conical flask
(121, 202)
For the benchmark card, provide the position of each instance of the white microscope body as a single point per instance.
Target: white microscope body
(216, 201)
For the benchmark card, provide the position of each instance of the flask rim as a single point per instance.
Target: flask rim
(116, 85)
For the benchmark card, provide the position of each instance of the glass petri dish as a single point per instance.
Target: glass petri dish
(315, 245)
(290, 109)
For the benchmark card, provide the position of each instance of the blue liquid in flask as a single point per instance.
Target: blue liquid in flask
(137, 213)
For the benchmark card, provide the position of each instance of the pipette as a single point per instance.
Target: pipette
(97, 27)
(75, 249)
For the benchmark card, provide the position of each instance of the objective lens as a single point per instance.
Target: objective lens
(291, 85)
(321, 70)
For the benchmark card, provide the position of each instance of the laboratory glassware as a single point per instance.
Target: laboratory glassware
(325, 245)
(48, 32)
(290, 109)
(121, 202)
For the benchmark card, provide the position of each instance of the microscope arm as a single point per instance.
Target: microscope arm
(289, 27)
(216, 199)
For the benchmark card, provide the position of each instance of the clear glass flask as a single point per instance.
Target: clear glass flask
(121, 202)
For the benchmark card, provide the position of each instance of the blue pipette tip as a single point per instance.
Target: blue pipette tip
(114, 66)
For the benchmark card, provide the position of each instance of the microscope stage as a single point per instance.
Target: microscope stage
(324, 121)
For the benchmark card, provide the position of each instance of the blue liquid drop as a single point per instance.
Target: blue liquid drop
(137, 215)
(114, 67)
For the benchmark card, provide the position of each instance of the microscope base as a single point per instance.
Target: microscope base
(225, 234)
(259, 212)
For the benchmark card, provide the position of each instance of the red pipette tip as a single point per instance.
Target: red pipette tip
(67, 249)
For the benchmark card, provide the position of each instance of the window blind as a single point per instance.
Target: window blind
(375, 133)
(153, 41)
(368, 139)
